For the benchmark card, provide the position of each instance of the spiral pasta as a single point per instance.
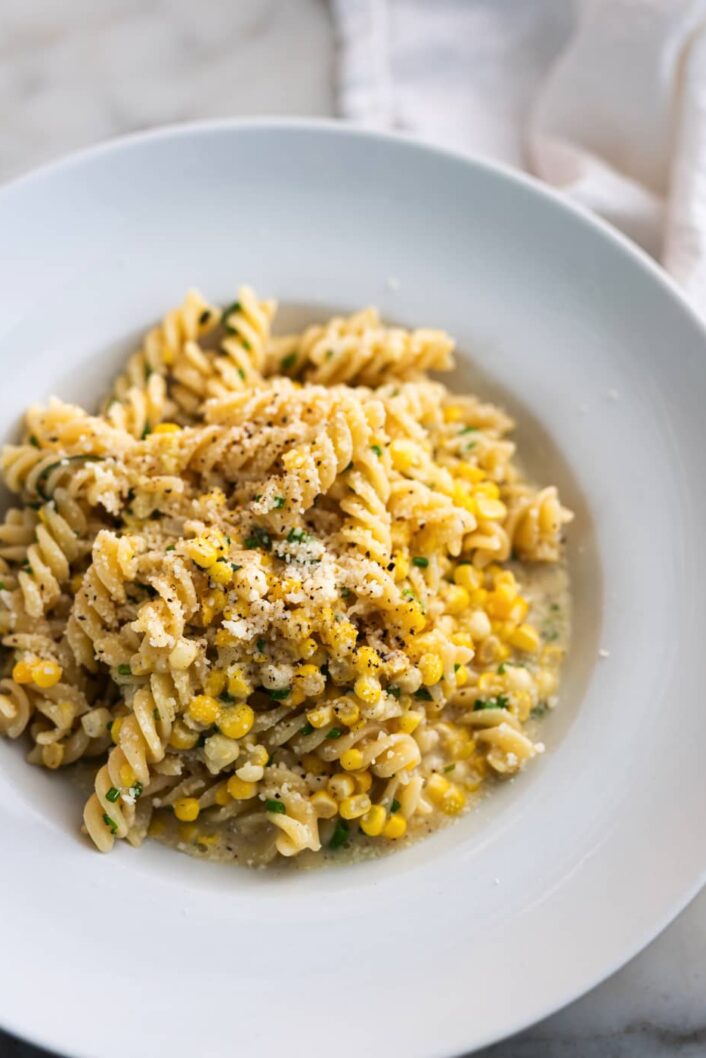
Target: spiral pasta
(289, 595)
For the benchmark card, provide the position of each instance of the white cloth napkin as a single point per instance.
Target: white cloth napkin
(603, 99)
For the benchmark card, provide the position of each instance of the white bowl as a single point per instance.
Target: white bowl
(562, 874)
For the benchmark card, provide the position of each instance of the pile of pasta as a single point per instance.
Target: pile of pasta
(272, 591)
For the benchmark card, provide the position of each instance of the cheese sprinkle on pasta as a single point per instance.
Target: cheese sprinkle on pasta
(275, 590)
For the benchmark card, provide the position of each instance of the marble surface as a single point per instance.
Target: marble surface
(76, 71)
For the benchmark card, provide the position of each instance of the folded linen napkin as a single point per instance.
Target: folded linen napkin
(603, 99)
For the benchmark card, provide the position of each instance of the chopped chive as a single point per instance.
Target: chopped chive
(470, 447)
(225, 697)
(394, 691)
(235, 567)
(456, 667)
(424, 694)
(275, 806)
(147, 431)
(172, 547)
(306, 729)
(113, 794)
(420, 561)
(279, 503)
(539, 710)
(230, 309)
(346, 593)
(349, 467)
(136, 789)
(469, 429)
(329, 354)
(2, 585)
(501, 701)
(280, 694)
(156, 715)
(377, 450)
(110, 823)
(335, 732)
(501, 668)
(298, 536)
(261, 644)
(124, 670)
(241, 373)
(288, 361)
(33, 440)
(259, 537)
(205, 316)
(395, 806)
(340, 834)
(448, 768)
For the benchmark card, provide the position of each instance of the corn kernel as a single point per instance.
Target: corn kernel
(501, 601)
(363, 781)
(368, 689)
(525, 638)
(401, 565)
(491, 510)
(220, 573)
(462, 639)
(352, 760)
(202, 552)
(431, 668)
(341, 785)
(467, 576)
(216, 682)
(347, 712)
(307, 647)
(488, 489)
(237, 721)
(221, 796)
(396, 827)
(404, 454)
(324, 804)
(224, 638)
(320, 716)
(181, 737)
(238, 685)
(240, 789)
(373, 821)
(409, 722)
(204, 709)
(452, 413)
(436, 787)
(296, 697)
(469, 472)
(166, 427)
(127, 775)
(354, 807)
(186, 809)
(487, 681)
(461, 676)
(52, 755)
(456, 599)
(115, 729)
(46, 673)
(304, 671)
(367, 661)
(22, 672)
(453, 801)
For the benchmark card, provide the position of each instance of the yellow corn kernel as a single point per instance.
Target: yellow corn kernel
(202, 552)
(238, 685)
(479, 597)
(431, 668)
(469, 472)
(525, 638)
(188, 832)
(341, 785)
(347, 712)
(436, 787)
(453, 801)
(186, 809)
(363, 781)
(452, 413)
(373, 821)
(237, 721)
(166, 427)
(456, 599)
(461, 676)
(224, 638)
(181, 737)
(401, 565)
(216, 682)
(367, 661)
(462, 497)
(52, 755)
(22, 672)
(314, 765)
(220, 573)
(488, 489)
(204, 709)
(354, 807)
(487, 681)
(409, 722)
(491, 510)
(396, 827)
(207, 840)
(221, 796)
(324, 804)
(46, 673)
(307, 647)
(352, 760)
(462, 639)
(404, 454)
(368, 689)
(240, 789)
(320, 716)
(115, 729)
(157, 827)
(296, 697)
(304, 671)
(468, 577)
(501, 601)
(127, 775)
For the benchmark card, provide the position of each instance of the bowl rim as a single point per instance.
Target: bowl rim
(336, 127)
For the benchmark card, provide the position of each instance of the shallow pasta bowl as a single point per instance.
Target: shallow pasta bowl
(565, 872)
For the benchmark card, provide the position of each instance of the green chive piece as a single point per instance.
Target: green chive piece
(230, 309)
(469, 429)
(288, 361)
(420, 561)
(298, 536)
(340, 834)
(335, 732)
(395, 806)
(501, 701)
(394, 691)
(306, 729)
(424, 694)
(110, 823)
(280, 694)
(261, 645)
(377, 450)
(448, 768)
(113, 794)
(136, 790)
(279, 503)
(124, 670)
(33, 440)
(205, 316)
(276, 806)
